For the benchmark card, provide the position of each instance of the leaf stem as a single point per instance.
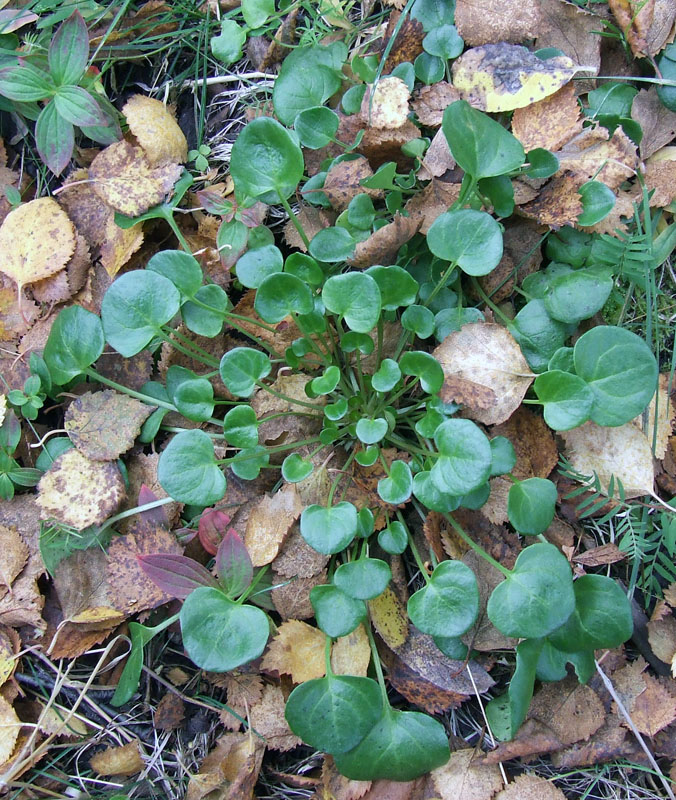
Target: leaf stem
(414, 549)
(286, 397)
(294, 220)
(477, 548)
(378, 666)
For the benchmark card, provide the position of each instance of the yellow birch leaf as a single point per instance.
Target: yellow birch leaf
(156, 130)
(502, 77)
(351, 654)
(389, 618)
(10, 725)
(36, 241)
(297, 650)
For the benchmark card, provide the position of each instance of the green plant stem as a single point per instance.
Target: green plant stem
(231, 315)
(262, 344)
(249, 589)
(440, 285)
(414, 549)
(378, 666)
(294, 221)
(381, 329)
(477, 548)
(205, 357)
(487, 300)
(280, 448)
(137, 510)
(402, 444)
(145, 398)
(285, 397)
(177, 232)
(323, 357)
(339, 477)
(327, 655)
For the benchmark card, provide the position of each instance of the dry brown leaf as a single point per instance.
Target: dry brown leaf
(435, 199)
(645, 27)
(600, 556)
(549, 123)
(55, 289)
(244, 691)
(103, 425)
(654, 708)
(80, 492)
(620, 214)
(131, 372)
(351, 654)
(623, 451)
(267, 719)
(156, 130)
(461, 779)
(430, 102)
(386, 105)
(382, 246)
(269, 523)
(593, 155)
(343, 182)
(230, 770)
(408, 44)
(484, 636)
(36, 240)
(569, 28)
(521, 256)
(660, 176)
(484, 369)
(297, 558)
(334, 786)
(131, 588)
(384, 144)
(13, 557)
(285, 428)
(123, 760)
(497, 20)
(10, 644)
(530, 787)
(124, 179)
(169, 713)
(119, 245)
(312, 220)
(84, 594)
(662, 633)
(85, 208)
(499, 542)
(533, 443)
(437, 159)
(657, 122)
(17, 313)
(291, 597)
(10, 725)
(297, 649)
(559, 203)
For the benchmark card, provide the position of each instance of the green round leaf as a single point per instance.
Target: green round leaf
(387, 375)
(402, 746)
(397, 286)
(266, 163)
(428, 69)
(433, 13)
(329, 530)
(337, 410)
(597, 202)
(537, 597)
(218, 634)
(429, 495)
(539, 336)
(304, 267)
(333, 714)
(337, 613)
(566, 398)
(602, 616)
(281, 294)
(621, 371)
(256, 265)
(363, 579)
(449, 604)
(182, 269)
(332, 245)
(326, 382)
(355, 296)
(577, 295)
(351, 341)
(396, 488)
(425, 367)
(472, 239)
(249, 462)
(371, 431)
(543, 163)
(466, 458)
(241, 367)
(394, 538)
(188, 471)
(562, 360)
(503, 456)
(135, 307)
(368, 456)
(451, 646)
(227, 46)
(192, 396)
(444, 42)
(240, 426)
(203, 321)
(295, 468)
(531, 505)
(316, 127)
(419, 320)
(75, 342)
(361, 213)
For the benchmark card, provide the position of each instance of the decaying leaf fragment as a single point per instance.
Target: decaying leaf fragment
(493, 21)
(386, 105)
(296, 650)
(463, 777)
(550, 122)
(431, 101)
(124, 760)
(10, 725)
(484, 369)
(156, 130)
(502, 77)
(269, 524)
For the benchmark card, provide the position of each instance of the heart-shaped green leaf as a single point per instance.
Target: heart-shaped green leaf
(188, 471)
(304, 267)
(537, 597)
(75, 342)
(333, 714)
(396, 488)
(332, 245)
(503, 456)
(452, 646)
(182, 269)
(219, 634)
(418, 320)
(355, 296)
(337, 410)
(337, 613)
(449, 603)
(466, 458)
(566, 398)
(370, 431)
(326, 382)
(295, 468)
(397, 286)
(364, 578)
(598, 201)
(531, 505)
(577, 295)
(241, 367)
(240, 427)
(425, 367)
(256, 265)
(386, 376)
(368, 456)
(280, 295)
(351, 341)
(316, 126)
(192, 396)
(425, 490)
(394, 538)
(329, 530)
(471, 239)
(249, 462)
(206, 321)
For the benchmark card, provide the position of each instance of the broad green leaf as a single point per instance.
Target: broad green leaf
(266, 163)
(448, 604)
(360, 214)
(326, 382)
(401, 746)
(394, 538)
(192, 396)
(567, 399)
(188, 471)
(78, 107)
(336, 612)
(332, 245)
(502, 455)
(182, 269)
(428, 69)
(355, 297)
(539, 336)
(465, 457)
(371, 431)
(537, 597)
(304, 267)
(25, 83)
(386, 376)
(452, 646)
(368, 456)
(241, 367)
(75, 342)
(257, 12)
(577, 295)
(54, 138)
(295, 468)
(240, 427)
(507, 712)
(472, 239)
(280, 295)
(316, 127)
(397, 487)
(218, 634)
(424, 366)
(68, 51)
(418, 320)
(602, 617)
(256, 265)
(351, 341)
(329, 530)
(598, 200)
(444, 42)
(397, 286)
(479, 144)
(429, 495)
(621, 371)
(543, 164)
(206, 321)
(333, 714)
(433, 14)
(364, 578)
(531, 505)
(134, 309)
(249, 462)
(227, 46)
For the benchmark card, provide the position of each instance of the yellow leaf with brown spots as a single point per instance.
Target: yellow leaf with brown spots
(119, 245)
(297, 650)
(124, 178)
(36, 240)
(594, 155)
(156, 130)
(80, 492)
(660, 175)
(386, 105)
(502, 77)
(13, 555)
(549, 123)
(10, 644)
(389, 618)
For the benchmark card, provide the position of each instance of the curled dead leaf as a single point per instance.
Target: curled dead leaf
(156, 130)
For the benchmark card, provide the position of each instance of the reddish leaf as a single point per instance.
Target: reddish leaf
(233, 564)
(154, 517)
(211, 530)
(176, 575)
